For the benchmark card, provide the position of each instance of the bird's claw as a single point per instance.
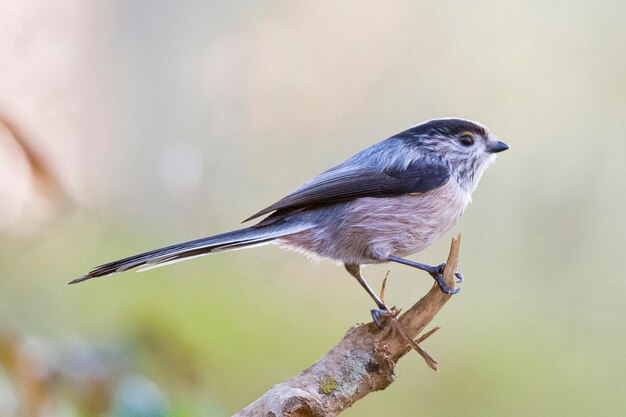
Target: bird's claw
(379, 313)
(437, 274)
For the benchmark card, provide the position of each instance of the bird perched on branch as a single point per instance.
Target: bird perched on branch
(388, 201)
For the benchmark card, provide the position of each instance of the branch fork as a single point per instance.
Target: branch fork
(362, 362)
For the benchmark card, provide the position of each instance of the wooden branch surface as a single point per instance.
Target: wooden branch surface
(361, 363)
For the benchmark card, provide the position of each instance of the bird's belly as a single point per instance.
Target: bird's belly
(372, 229)
(402, 225)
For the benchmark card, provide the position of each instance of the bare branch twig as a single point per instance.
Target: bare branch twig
(361, 363)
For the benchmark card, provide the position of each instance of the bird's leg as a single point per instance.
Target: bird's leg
(435, 271)
(355, 271)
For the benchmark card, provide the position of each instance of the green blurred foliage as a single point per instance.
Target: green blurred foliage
(220, 108)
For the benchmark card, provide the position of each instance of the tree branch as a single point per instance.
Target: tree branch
(362, 362)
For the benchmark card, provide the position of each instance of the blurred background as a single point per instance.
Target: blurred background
(126, 126)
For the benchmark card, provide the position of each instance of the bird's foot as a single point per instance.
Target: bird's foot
(379, 315)
(437, 273)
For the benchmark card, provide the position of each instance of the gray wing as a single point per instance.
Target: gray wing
(344, 183)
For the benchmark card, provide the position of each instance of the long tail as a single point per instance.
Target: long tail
(237, 239)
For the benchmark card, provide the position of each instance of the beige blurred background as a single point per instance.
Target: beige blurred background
(126, 126)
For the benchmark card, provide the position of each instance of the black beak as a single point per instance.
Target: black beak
(495, 147)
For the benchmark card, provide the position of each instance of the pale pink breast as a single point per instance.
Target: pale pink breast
(407, 224)
(374, 228)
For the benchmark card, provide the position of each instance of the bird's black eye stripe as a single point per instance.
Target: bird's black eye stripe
(467, 139)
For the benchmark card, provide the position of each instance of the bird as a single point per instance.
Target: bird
(389, 201)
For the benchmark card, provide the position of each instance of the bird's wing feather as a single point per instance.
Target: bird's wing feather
(344, 183)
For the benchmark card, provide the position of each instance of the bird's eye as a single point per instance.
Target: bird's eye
(467, 139)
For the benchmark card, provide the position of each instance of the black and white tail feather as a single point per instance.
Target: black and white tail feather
(237, 239)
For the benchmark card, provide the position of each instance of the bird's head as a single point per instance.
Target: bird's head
(467, 147)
